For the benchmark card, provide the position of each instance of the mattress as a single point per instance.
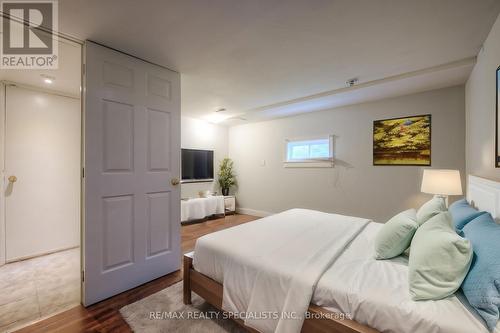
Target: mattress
(375, 293)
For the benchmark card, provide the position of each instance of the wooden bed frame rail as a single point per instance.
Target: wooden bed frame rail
(323, 321)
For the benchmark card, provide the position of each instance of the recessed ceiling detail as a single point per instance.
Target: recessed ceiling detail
(437, 77)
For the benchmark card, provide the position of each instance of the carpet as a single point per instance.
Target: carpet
(164, 311)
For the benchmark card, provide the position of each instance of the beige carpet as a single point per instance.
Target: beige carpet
(165, 312)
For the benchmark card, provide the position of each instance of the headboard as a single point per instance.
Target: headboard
(484, 194)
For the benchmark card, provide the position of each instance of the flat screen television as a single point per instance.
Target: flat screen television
(197, 165)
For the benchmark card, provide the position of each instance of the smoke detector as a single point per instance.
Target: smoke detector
(351, 82)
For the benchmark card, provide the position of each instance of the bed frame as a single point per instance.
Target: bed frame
(484, 194)
(481, 193)
(211, 291)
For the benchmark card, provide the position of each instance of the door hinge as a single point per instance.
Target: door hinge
(83, 276)
(83, 172)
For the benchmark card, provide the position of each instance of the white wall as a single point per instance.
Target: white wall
(480, 109)
(199, 134)
(354, 186)
(42, 149)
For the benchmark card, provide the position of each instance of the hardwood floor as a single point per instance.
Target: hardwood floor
(105, 316)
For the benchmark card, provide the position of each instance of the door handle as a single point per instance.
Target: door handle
(175, 181)
(12, 179)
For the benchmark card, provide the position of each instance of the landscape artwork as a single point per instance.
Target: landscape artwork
(402, 141)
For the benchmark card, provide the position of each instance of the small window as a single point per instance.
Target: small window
(315, 152)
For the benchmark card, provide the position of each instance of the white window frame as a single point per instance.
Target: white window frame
(309, 163)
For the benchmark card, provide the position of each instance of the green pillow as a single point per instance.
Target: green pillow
(395, 236)
(439, 259)
(432, 207)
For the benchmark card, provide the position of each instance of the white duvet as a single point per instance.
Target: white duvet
(267, 274)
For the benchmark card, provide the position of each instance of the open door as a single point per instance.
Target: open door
(132, 149)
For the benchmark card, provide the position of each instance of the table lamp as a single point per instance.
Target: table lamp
(441, 183)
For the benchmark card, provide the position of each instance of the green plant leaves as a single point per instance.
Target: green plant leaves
(226, 174)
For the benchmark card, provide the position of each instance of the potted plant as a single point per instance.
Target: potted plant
(226, 175)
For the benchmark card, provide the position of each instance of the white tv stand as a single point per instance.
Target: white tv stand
(200, 208)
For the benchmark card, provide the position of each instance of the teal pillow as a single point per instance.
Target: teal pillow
(395, 235)
(439, 259)
(432, 207)
(482, 284)
(462, 213)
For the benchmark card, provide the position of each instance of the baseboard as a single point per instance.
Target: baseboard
(41, 254)
(253, 212)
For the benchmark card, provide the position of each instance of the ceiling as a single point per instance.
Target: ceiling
(66, 78)
(268, 58)
(449, 75)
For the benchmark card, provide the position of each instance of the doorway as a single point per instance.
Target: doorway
(40, 241)
(42, 164)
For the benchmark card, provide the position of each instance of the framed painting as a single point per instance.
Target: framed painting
(402, 141)
(497, 119)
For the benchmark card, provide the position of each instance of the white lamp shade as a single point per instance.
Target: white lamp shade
(442, 182)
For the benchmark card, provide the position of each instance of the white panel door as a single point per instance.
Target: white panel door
(132, 155)
(42, 150)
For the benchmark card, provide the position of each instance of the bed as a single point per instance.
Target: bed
(260, 266)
